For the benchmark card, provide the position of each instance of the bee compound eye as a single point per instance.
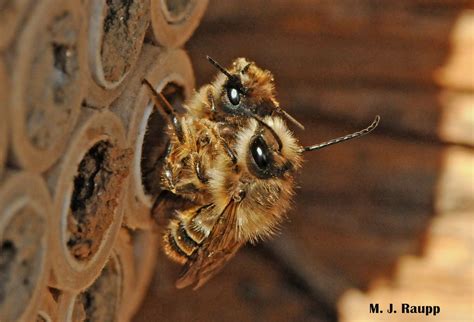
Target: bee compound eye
(233, 95)
(261, 154)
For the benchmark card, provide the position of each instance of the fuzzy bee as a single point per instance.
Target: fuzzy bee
(242, 91)
(229, 170)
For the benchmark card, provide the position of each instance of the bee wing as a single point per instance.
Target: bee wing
(217, 249)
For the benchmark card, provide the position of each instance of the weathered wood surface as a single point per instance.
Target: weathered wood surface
(385, 218)
(410, 61)
(253, 288)
(443, 276)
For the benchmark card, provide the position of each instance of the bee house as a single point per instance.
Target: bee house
(384, 219)
(76, 141)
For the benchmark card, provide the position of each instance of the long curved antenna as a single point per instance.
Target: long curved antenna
(365, 131)
(166, 108)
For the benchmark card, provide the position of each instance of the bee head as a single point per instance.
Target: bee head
(245, 89)
(268, 158)
(269, 149)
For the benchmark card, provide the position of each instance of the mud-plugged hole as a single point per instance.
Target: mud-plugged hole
(21, 261)
(52, 85)
(124, 27)
(100, 302)
(155, 141)
(95, 198)
(178, 10)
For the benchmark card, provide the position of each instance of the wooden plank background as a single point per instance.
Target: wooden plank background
(383, 218)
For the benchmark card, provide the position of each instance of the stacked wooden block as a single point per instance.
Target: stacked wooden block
(76, 238)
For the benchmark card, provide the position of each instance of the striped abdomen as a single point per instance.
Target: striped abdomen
(182, 239)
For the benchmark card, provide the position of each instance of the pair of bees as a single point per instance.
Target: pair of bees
(229, 170)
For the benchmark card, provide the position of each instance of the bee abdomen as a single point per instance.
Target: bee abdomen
(178, 244)
(195, 234)
(172, 249)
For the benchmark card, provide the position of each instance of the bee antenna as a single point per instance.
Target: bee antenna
(159, 100)
(290, 118)
(219, 67)
(357, 134)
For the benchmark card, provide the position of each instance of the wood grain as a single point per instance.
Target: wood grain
(369, 209)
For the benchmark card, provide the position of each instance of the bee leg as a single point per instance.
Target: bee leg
(210, 98)
(187, 189)
(167, 109)
(165, 206)
(155, 170)
(229, 152)
(200, 172)
(168, 176)
(227, 148)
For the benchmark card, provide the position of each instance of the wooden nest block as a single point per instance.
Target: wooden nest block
(47, 84)
(79, 144)
(88, 185)
(173, 22)
(25, 207)
(115, 38)
(171, 73)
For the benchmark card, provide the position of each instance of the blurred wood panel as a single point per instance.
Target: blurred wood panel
(347, 60)
(394, 41)
(446, 116)
(455, 188)
(250, 288)
(327, 59)
(408, 20)
(371, 209)
(338, 241)
(443, 277)
(458, 118)
(380, 170)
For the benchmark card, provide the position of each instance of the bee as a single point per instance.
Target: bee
(213, 115)
(243, 91)
(230, 169)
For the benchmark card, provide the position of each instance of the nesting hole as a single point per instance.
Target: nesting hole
(52, 85)
(97, 188)
(124, 27)
(178, 10)
(155, 141)
(100, 302)
(21, 261)
(55, 293)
